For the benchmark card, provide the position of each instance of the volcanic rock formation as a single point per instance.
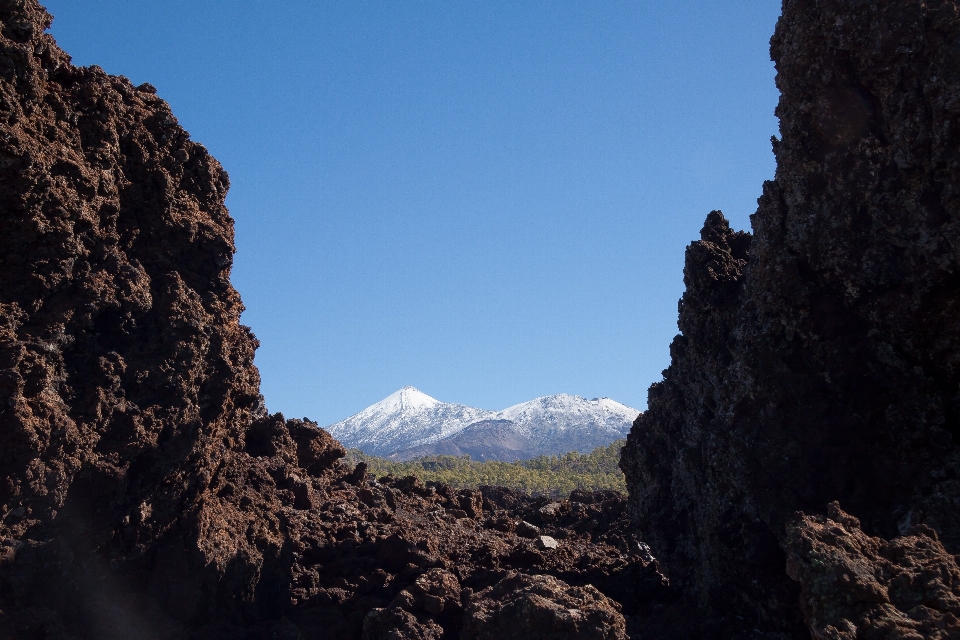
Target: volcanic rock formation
(819, 357)
(127, 381)
(146, 492)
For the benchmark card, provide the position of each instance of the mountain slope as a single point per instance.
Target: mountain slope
(409, 423)
(483, 440)
(561, 423)
(405, 419)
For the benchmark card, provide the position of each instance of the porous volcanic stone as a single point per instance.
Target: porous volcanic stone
(145, 492)
(541, 608)
(855, 586)
(819, 357)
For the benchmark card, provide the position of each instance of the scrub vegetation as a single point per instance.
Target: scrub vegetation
(554, 476)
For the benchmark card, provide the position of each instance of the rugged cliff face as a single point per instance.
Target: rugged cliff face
(127, 382)
(120, 327)
(819, 358)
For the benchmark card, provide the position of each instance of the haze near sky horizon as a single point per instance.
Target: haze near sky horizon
(489, 201)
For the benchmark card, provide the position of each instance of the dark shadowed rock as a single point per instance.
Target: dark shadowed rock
(133, 439)
(396, 623)
(819, 358)
(414, 612)
(146, 492)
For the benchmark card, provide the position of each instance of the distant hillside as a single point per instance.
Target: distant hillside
(410, 424)
(483, 440)
(555, 476)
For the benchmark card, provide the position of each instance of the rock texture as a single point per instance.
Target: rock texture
(855, 586)
(126, 380)
(541, 608)
(819, 357)
(145, 492)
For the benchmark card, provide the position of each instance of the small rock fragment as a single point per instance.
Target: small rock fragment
(546, 542)
(642, 549)
(471, 501)
(395, 623)
(526, 530)
(550, 511)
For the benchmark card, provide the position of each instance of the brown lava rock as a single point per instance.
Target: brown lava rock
(856, 587)
(146, 492)
(411, 614)
(819, 357)
(541, 607)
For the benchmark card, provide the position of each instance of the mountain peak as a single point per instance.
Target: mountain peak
(407, 399)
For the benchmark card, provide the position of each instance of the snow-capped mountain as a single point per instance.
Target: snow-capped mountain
(406, 418)
(409, 423)
(562, 423)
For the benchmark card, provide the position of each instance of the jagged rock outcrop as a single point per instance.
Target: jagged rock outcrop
(434, 594)
(541, 608)
(127, 382)
(146, 492)
(855, 586)
(819, 358)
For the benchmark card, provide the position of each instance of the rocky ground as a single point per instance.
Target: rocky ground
(345, 555)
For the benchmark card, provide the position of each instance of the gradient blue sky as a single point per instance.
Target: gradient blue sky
(487, 200)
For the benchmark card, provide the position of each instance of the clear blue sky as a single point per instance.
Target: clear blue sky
(488, 200)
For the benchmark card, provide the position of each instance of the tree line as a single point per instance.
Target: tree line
(554, 476)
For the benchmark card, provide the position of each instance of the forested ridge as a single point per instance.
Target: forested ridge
(554, 476)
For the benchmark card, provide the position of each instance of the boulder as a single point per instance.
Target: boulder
(857, 586)
(541, 607)
(546, 542)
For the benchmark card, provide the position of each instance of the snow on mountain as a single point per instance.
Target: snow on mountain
(555, 419)
(406, 418)
(409, 422)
